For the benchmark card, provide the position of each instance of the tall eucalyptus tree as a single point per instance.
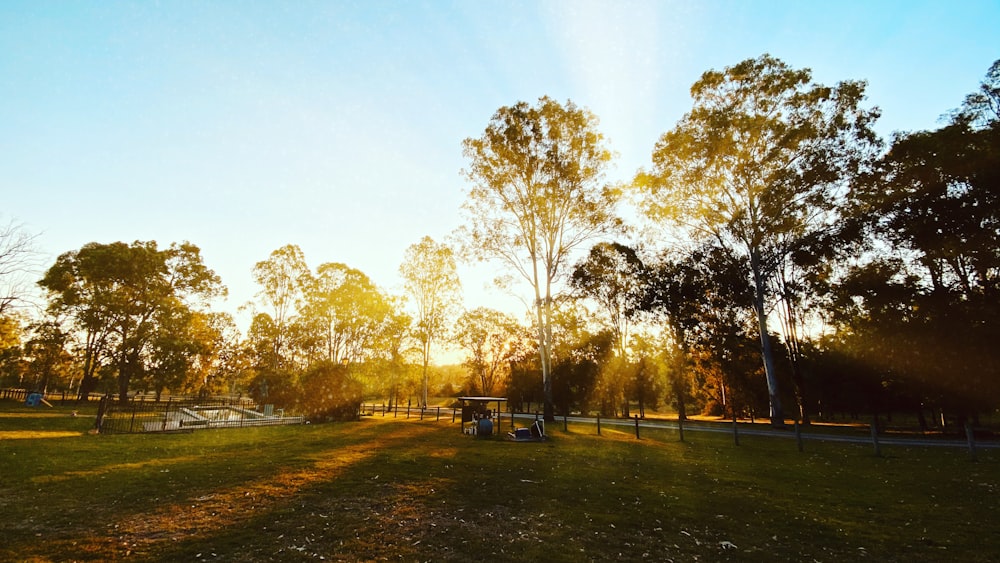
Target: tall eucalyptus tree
(537, 195)
(431, 280)
(763, 154)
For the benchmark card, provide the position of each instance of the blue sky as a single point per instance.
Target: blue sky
(337, 126)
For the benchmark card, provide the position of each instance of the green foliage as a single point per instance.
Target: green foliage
(118, 296)
(50, 364)
(275, 387)
(282, 278)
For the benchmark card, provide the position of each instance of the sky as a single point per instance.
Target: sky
(338, 126)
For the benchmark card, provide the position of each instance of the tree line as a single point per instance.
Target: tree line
(788, 256)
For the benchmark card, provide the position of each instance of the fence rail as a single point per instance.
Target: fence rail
(504, 420)
(62, 397)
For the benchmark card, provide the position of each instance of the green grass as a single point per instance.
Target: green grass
(408, 490)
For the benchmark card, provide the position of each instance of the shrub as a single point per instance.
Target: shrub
(330, 393)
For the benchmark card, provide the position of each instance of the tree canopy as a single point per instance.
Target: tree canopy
(119, 295)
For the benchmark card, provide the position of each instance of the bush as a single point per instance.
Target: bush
(330, 393)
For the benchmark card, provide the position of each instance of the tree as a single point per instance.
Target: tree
(17, 262)
(982, 108)
(763, 153)
(281, 277)
(11, 334)
(923, 302)
(703, 299)
(47, 356)
(172, 352)
(119, 294)
(612, 275)
(330, 393)
(491, 339)
(351, 313)
(431, 280)
(536, 196)
(216, 366)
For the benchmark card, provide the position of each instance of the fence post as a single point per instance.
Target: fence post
(798, 435)
(565, 423)
(736, 431)
(680, 426)
(598, 423)
(636, 427)
(874, 429)
(972, 441)
(131, 423)
(101, 408)
(422, 409)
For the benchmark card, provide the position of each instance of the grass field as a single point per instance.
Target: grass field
(410, 490)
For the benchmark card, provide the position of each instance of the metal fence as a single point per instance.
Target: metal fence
(185, 415)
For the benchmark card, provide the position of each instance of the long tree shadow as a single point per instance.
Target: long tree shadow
(104, 507)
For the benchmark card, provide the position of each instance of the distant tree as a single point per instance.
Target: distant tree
(354, 316)
(585, 369)
(117, 295)
(703, 301)
(331, 295)
(431, 280)
(650, 369)
(490, 338)
(218, 366)
(281, 277)
(537, 195)
(172, 351)
(762, 153)
(613, 276)
(11, 333)
(46, 355)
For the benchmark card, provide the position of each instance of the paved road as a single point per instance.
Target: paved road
(755, 430)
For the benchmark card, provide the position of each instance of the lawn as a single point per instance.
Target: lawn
(410, 490)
